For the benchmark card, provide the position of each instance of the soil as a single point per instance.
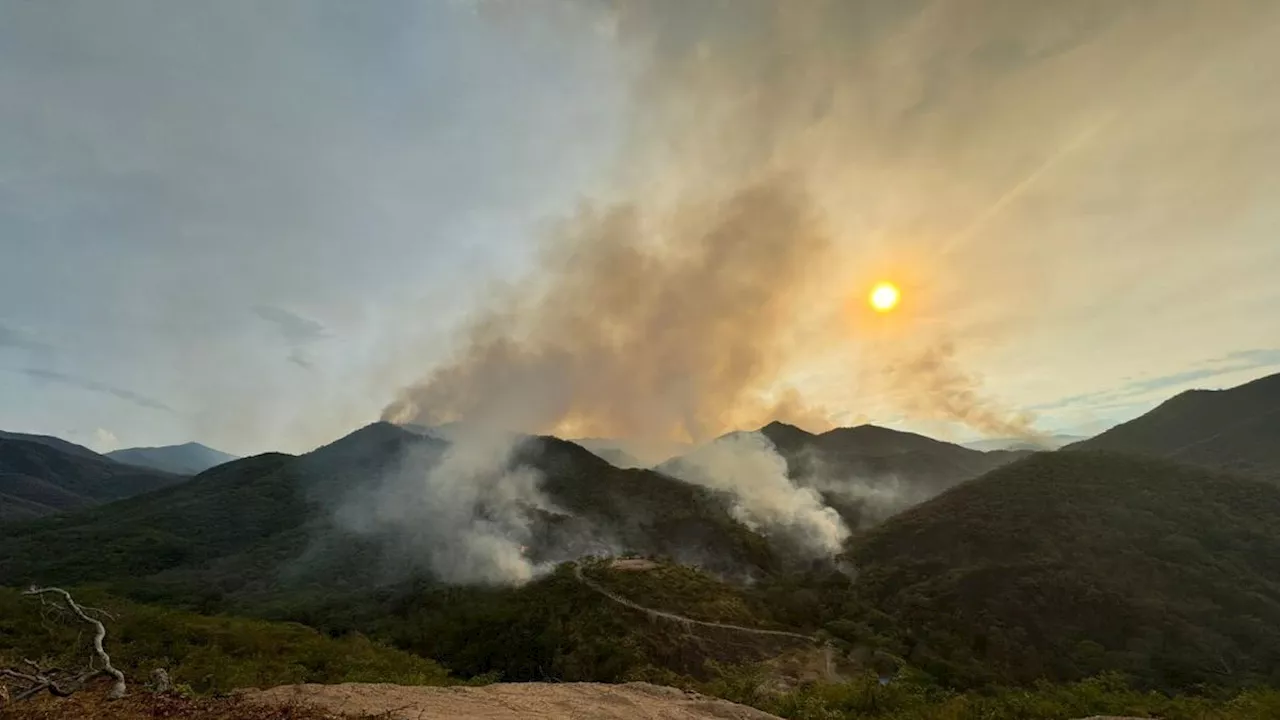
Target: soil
(508, 701)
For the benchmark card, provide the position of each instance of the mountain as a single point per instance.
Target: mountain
(56, 443)
(1236, 430)
(264, 527)
(857, 454)
(1048, 442)
(611, 451)
(867, 472)
(188, 459)
(1057, 565)
(45, 475)
(1063, 565)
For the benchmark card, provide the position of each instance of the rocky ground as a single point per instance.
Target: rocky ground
(509, 701)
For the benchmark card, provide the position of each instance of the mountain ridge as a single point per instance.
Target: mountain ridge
(188, 458)
(1235, 429)
(37, 478)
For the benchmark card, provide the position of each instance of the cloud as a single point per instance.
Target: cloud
(20, 340)
(104, 440)
(1133, 393)
(95, 386)
(1260, 357)
(298, 358)
(296, 330)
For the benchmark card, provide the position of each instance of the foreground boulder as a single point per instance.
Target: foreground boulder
(535, 701)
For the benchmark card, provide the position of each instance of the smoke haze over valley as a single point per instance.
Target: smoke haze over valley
(649, 221)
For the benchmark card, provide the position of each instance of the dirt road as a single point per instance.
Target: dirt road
(577, 570)
(828, 653)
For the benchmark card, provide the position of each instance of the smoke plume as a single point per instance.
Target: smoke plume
(748, 466)
(659, 327)
(780, 157)
(932, 386)
(655, 325)
(461, 515)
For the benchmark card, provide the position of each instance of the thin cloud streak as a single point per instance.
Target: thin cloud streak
(97, 387)
(1142, 389)
(298, 331)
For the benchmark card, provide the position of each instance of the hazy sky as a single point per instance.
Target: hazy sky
(255, 224)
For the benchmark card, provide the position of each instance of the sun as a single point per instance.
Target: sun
(884, 297)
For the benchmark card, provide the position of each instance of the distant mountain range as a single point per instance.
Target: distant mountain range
(188, 459)
(1048, 442)
(40, 475)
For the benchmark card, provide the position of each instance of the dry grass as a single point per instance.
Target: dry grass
(93, 705)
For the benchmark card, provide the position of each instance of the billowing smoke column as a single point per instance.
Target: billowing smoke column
(774, 149)
(663, 326)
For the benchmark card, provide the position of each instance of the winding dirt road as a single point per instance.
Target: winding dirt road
(828, 652)
(651, 612)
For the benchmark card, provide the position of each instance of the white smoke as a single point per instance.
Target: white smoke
(871, 497)
(749, 468)
(463, 514)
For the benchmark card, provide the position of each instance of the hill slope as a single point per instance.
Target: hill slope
(1065, 564)
(39, 478)
(1236, 430)
(187, 459)
(1052, 442)
(205, 653)
(264, 527)
(56, 443)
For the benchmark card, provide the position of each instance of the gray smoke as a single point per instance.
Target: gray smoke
(462, 515)
(748, 466)
(780, 157)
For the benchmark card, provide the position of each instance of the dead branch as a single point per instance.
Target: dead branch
(55, 680)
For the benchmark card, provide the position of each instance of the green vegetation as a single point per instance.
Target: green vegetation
(1232, 430)
(43, 475)
(916, 698)
(1069, 564)
(679, 589)
(1057, 568)
(555, 628)
(206, 654)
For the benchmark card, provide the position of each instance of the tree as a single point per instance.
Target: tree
(64, 682)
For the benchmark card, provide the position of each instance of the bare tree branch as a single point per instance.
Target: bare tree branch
(118, 688)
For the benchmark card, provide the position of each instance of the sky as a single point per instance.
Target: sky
(263, 225)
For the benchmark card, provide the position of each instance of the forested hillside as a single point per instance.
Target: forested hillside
(1236, 430)
(40, 476)
(1058, 566)
(1067, 564)
(254, 529)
